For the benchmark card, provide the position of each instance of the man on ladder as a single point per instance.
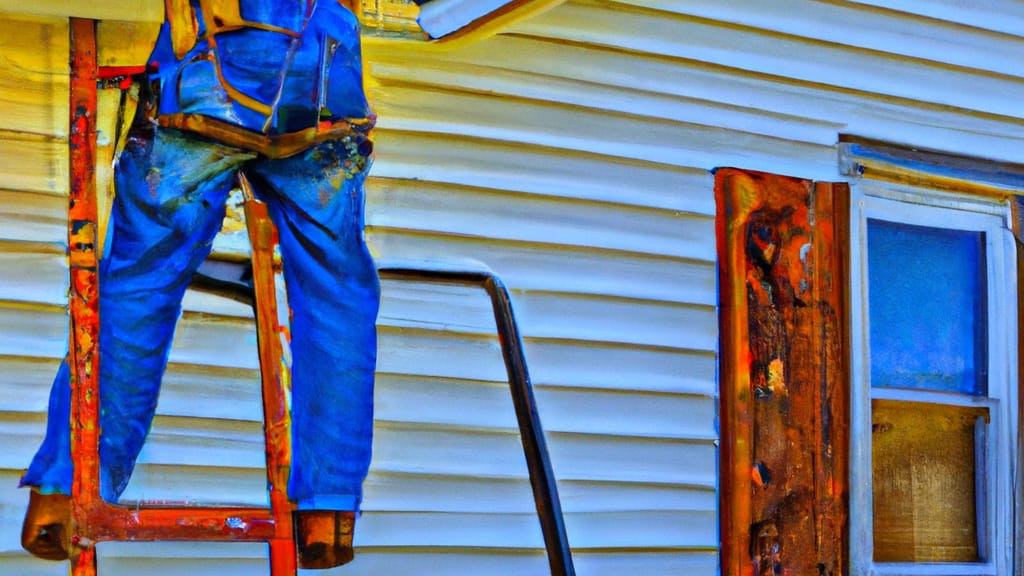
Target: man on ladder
(269, 91)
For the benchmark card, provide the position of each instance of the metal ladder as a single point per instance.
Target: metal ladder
(93, 520)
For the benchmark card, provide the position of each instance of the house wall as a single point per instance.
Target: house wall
(571, 155)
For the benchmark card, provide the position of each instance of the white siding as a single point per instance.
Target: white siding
(571, 155)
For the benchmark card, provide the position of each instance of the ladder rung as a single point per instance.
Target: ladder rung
(239, 524)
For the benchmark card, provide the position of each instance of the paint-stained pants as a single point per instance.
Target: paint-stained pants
(171, 194)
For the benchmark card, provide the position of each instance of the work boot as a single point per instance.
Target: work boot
(323, 538)
(45, 531)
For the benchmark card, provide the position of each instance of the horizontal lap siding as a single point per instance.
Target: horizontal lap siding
(880, 84)
(574, 193)
(799, 57)
(33, 281)
(1005, 16)
(570, 155)
(602, 120)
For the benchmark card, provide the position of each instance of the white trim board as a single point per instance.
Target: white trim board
(442, 17)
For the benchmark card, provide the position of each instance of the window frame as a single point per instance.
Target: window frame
(921, 206)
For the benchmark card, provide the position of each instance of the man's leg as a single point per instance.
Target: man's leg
(164, 230)
(44, 532)
(170, 199)
(334, 294)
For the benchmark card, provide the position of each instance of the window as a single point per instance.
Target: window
(933, 392)
(868, 367)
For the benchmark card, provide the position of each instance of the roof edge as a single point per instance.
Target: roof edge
(466, 21)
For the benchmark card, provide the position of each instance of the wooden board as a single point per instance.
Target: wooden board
(784, 381)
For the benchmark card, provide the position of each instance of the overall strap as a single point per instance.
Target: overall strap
(181, 17)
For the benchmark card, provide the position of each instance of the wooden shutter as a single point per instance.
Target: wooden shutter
(784, 380)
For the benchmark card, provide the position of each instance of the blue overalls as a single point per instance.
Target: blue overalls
(272, 88)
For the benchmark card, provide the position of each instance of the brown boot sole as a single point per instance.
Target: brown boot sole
(45, 532)
(323, 538)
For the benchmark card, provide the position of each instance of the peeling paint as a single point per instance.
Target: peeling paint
(783, 506)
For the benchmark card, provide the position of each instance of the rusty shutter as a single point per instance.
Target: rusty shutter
(784, 379)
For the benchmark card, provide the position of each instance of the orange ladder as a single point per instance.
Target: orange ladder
(94, 520)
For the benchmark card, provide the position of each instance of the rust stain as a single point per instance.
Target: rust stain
(83, 300)
(766, 554)
(776, 376)
(783, 386)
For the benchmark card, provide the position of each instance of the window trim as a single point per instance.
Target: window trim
(914, 205)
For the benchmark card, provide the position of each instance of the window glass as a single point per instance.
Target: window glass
(924, 463)
(927, 308)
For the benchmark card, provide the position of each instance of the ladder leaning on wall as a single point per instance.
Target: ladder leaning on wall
(94, 520)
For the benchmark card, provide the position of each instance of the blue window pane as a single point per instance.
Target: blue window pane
(927, 308)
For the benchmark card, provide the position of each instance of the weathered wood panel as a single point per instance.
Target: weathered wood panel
(143, 10)
(34, 78)
(47, 170)
(785, 384)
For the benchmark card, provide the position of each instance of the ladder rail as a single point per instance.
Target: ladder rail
(94, 520)
(83, 303)
(274, 377)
